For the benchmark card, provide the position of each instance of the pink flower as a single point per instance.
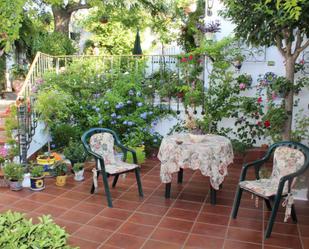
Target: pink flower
(3, 152)
(183, 59)
(302, 62)
(273, 96)
(242, 86)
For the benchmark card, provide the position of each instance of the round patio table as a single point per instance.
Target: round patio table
(211, 154)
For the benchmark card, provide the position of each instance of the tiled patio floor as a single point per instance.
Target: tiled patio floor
(185, 221)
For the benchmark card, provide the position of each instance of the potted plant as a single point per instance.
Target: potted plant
(47, 161)
(78, 169)
(75, 152)
(60, 170)
(238, 60)
(37, 178)
(15, 174)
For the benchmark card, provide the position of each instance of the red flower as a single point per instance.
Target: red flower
(259, 123)
(302, 62)
(190, 57)
(266, 123)
(259, 100)
(183, 59)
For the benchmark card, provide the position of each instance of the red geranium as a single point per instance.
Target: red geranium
(266, 123)
(183, 59)
(259, 100)
(259, 123)
(190, 57)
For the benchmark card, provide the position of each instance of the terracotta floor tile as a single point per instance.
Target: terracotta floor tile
(25, 205)
(105, 223)
(8, 200)
(83, 244)
(63, 202)
(176, 224)
(152, 209)
(182, 214)
(144, 219)
(244, 235)
(70, 227)
(283, 241)
(136, 229)
(115, 213)
(209, 229)
(75, 216)
(284, 228)
(192, 206)
(305, 243)
(54, 191)
(92, 233)
(74, 195)
(41, 197)
(217, 209)
(203, 242)
(304, 230)
(169, 236)
(213, 219)
(154, 244)
(125, 241)
(230, 244)
(126, 205)
(52, 210)
(89, 208)
(247, 223)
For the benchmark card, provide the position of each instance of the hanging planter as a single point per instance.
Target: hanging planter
(104, 19)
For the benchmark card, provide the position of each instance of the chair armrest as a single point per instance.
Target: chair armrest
(257, 165)
(124, 148)
(95, 155)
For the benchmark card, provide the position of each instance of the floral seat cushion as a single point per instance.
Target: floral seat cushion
(286, 161)
(103, 144)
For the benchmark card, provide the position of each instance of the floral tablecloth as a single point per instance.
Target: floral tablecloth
(211, 154)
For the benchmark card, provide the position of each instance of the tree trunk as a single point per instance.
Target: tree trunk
(289, 99)
(61, 20)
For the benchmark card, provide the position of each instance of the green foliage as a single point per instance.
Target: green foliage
(63, 133)
(18, 71)
(276, 117)
(78, 167)
(53, 43)
(53, 105)
(75, 152)
(60, 168)
(44, 234)
(301, 131)
(239, 147)
(96, 96)
(14, 172)
(36, 171)
(2, 73)
(11, 17)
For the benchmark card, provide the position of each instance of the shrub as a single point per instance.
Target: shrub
(18, 232)
(75, 152)
(14, 172)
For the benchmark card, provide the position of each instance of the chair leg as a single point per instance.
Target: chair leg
(107, 192)
(237, 202)
(139, 183)
(293, 214)
(93, 188)
(213, 195)
(180, 175)
(115, 180)
(268, 205)
(168, 190)
(272, 217)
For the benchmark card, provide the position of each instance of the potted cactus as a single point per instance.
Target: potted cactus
(60, 170)
(78, 169)
(15, 174)
(37, 178)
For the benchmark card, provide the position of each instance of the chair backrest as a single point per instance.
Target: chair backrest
(286, 161)
(103, 145)
(100, 142)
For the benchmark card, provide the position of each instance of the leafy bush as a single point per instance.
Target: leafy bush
(53, 43)
(36, 171)
(60, 168)
(75, 152)
(14, 172)
(18, 232)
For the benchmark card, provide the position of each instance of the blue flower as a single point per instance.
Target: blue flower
(143, 115)
(106, 102)
(94, 107)
(152, 131)
(130, 123)
(119, 105)
(139, 104)
(138, 94)
(125, 122)
(131, 92)
(113, 122)
(119, 116)
(100, 121)
(155, 140)
(129, 102)
(97, 109)
(53, 145)
(150, 113)
(113, 115)
(154, 123)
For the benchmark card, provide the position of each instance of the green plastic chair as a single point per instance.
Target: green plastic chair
(99, 142)
(291, 159)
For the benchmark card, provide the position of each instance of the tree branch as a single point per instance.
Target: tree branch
(77, 6)
(279, 45)
(287, 33)
(301, 48)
